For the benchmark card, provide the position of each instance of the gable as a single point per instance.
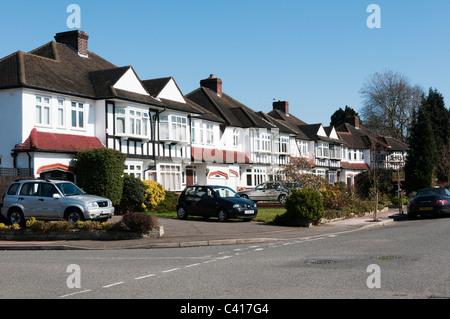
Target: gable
(171, 92)
(333, 134)
(321, 132)
(130, 82)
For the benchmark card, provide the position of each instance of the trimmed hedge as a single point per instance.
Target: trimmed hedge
(99, 172)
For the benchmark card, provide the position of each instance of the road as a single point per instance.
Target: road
(407, 259)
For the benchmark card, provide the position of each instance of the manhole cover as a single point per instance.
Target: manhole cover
(320, 262)
(387, 257)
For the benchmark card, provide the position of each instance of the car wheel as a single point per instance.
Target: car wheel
(181, 213)
(74, 216)
(222, 215)
(282, 199)
(15, 216)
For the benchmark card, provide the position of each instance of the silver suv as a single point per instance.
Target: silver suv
(52, 200)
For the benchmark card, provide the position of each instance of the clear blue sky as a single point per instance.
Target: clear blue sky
(316, 54)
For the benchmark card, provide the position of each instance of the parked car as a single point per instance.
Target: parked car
(52, 200)
(214, 201)
(268, 191)
(429, 201)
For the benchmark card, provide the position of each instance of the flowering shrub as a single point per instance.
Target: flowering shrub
(154, 194)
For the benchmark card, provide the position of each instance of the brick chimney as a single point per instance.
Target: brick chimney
(77, 40)
(282, 106)
(213, 84)
(353, 120)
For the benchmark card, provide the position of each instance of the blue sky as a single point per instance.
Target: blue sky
(314, 54)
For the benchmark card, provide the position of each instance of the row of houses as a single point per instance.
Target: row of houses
(61, 98)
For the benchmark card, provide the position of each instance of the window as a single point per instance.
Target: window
(170, 177)
(137, 120)
(134, 170)
(120, 121)
(61, 113)
(263, 142)
(235, 137)
(77, 115)
(42, 110)
(209, 134)
(178, 128)
(322, 150)
(283, 145)
(255, 176)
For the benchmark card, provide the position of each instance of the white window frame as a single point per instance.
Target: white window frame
(76, 109)
(133, 169)
(135, 122)
(173, 127)
(43, 108)
(170, 176)
(61, 113)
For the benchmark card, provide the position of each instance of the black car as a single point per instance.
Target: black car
(214, 201)
(429, 201)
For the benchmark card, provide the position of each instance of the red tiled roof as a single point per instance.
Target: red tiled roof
(355, 166)
(218, 156)
(44, 141)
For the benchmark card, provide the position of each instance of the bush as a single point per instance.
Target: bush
(133, 195)
(154, 194)
(302, 205)
(169, 204)
(99, 172)
(139, 222)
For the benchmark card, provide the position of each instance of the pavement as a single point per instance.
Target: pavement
(199, 232)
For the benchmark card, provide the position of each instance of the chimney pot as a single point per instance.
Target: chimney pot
(282, 106)
(212, 83)
(77, 40)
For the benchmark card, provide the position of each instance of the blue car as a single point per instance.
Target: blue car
(214, 201)
(429, 201)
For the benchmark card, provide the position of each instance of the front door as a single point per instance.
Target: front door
(189, 177)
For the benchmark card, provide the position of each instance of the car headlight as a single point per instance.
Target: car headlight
(236, 206)
(92, 204)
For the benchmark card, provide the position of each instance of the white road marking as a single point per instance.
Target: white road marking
(75, 293)
(143, 277)
(170, 270)
(114, 284)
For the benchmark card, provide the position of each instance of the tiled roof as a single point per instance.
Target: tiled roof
(355, 166)
(55, 142)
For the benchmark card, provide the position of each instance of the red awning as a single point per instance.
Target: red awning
(219, 156)
(44, 141)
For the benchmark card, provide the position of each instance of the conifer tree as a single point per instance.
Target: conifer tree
(421, 163)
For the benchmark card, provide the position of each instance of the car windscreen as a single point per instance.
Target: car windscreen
(69, 189)
(225, 192)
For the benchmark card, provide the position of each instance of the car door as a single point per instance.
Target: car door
(188, 199)
(48, 206)
(28, 199)
(208, 203)
(260, 192)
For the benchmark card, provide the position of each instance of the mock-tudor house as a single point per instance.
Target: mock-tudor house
(365, 148)
(320, 145)
(61, 98)
(257, 146)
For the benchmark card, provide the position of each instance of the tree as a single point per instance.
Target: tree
(341, 115)
(440, 122)
(99, 172)
(389, 103)
(420, 166)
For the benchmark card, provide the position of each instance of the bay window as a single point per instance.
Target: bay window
(131, 122)
(42, 110)
(173, 128)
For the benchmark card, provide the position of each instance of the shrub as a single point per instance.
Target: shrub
(169, 204)
(133, 195)
(301, 205)
(139, 222)
(99, 172)
(154, 194)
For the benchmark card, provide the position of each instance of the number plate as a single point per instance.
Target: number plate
(426, 208)
(249, 212)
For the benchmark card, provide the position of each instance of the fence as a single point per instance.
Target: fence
(9, 175)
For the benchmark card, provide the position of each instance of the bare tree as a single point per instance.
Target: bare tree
(389, 104)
